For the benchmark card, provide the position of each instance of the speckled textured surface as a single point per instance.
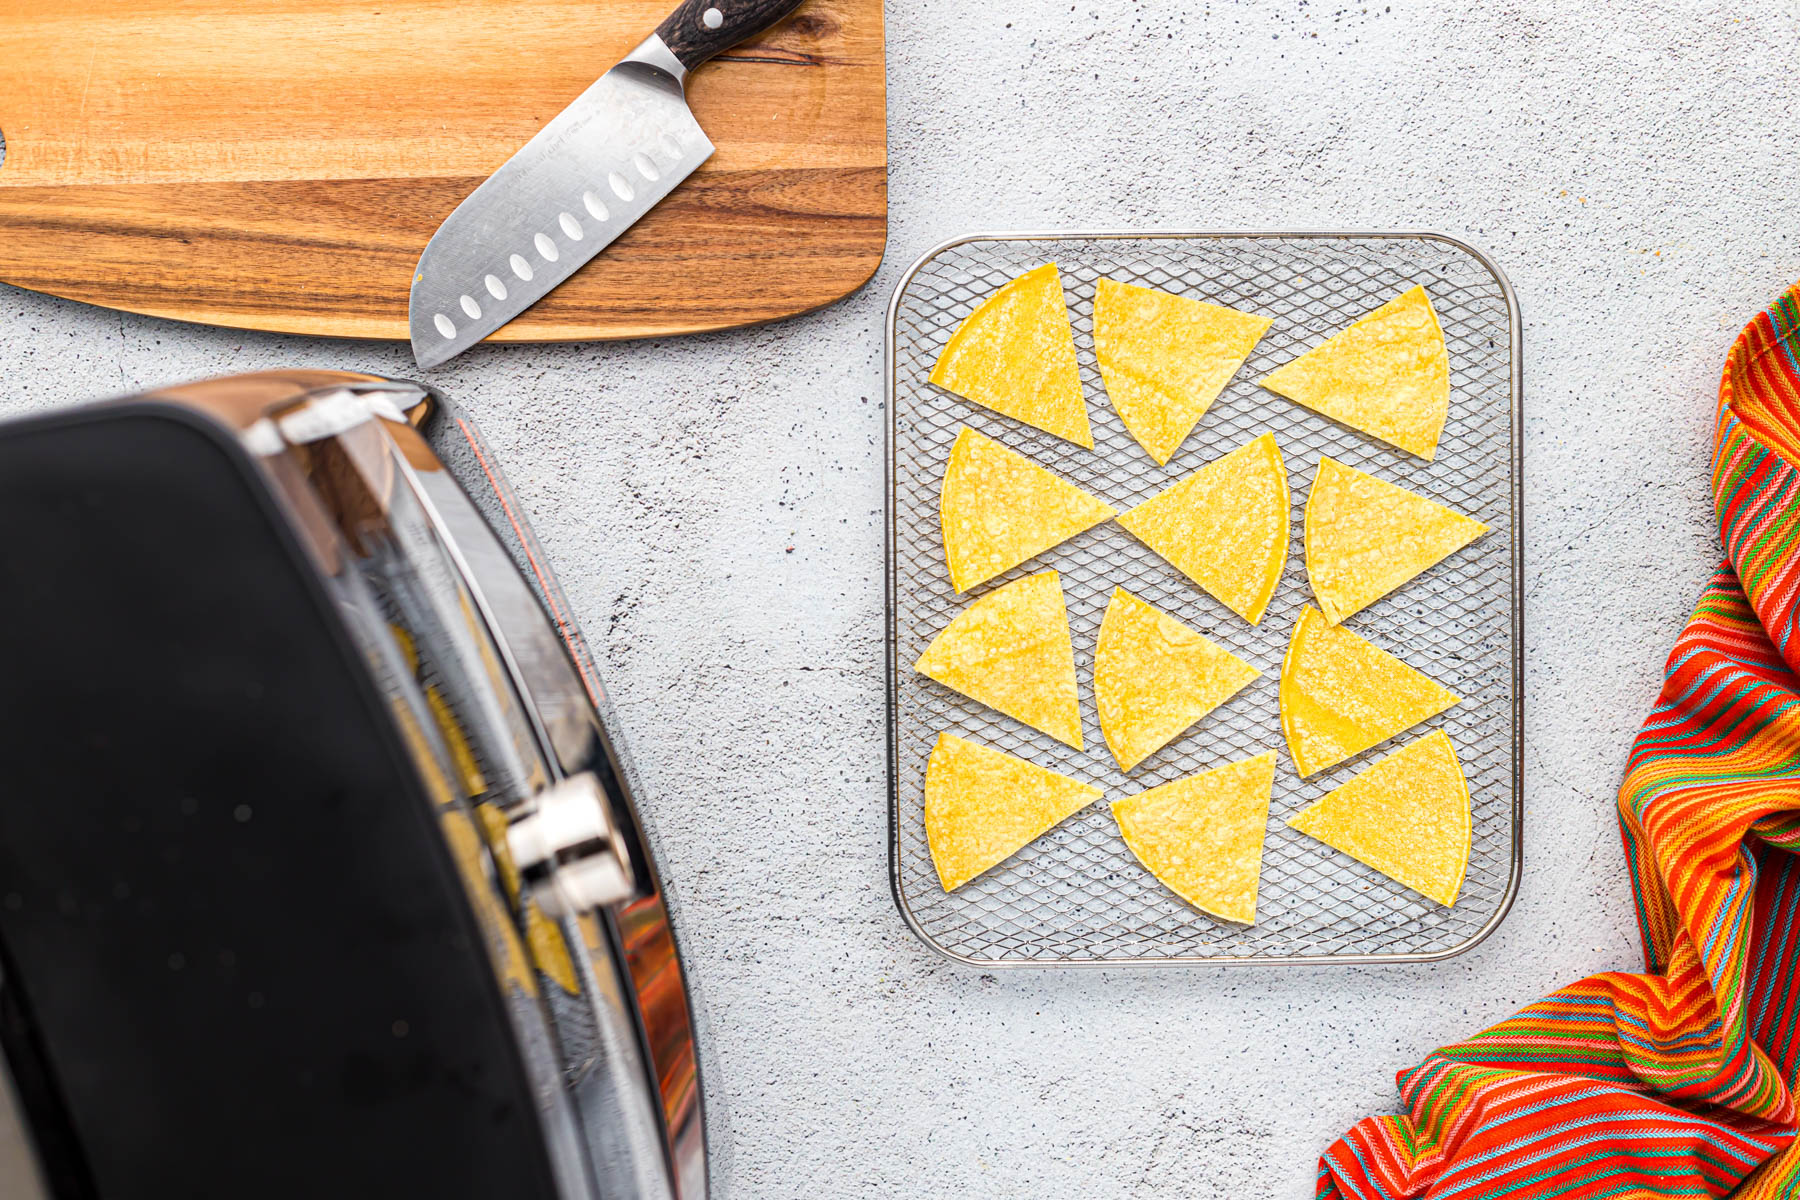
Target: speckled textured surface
(714, 507)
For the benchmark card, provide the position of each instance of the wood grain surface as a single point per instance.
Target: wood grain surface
(280, 165)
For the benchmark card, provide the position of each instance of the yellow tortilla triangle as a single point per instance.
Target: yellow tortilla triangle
(1165, 359)
(1154, 677)
(1341, 694)
(982, 806)
(1407, 816)
(1011, 651)
(1386, 374)
(998, 508)
(1203, 836)
(1015, 354)
(1366, 536)
(1225, 526)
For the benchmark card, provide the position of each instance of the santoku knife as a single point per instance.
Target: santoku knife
(587, 176)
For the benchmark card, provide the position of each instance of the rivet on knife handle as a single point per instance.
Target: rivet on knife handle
(700, 29)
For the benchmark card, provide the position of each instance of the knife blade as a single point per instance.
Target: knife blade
(584, 179)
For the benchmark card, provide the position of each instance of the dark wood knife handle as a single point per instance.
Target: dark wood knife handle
(699, 29)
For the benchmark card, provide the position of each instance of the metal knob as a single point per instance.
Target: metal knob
(567, 850)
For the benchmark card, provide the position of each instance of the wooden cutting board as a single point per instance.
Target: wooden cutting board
(280, 164)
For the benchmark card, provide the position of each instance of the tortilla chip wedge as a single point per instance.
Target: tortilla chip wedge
(1165, 359)
(1386, 374)
(1203, 836)
(982, 806)
(1011, 651)
(1341, 694)
(1154, 677)
(1407, 816)
(1225, 526)
(1015, 354)
(1366, 536)
(997, 508)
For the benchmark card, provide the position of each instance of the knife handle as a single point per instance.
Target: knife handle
(699, 29)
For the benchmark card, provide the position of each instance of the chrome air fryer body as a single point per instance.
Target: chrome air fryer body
(323, 872)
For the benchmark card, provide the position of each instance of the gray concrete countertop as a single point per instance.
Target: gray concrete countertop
(714, 505)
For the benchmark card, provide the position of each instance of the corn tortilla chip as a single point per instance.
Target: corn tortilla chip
(1366, 536)
(1165, 359)
(1203, 836)
(1341, 694)
(1015, 354)
(1387, 374)
(1011, 651)
(982, 806)
(997, 508)
(1154, 677)
(1225, 526)
(1407, 816)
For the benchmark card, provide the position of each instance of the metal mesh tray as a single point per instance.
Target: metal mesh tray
(1077, 897)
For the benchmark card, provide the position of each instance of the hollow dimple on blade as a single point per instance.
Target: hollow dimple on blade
(586, 178)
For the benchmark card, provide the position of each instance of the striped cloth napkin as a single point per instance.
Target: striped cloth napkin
(1679, 1080)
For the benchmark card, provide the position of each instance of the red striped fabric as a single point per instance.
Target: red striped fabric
(1679, 1080)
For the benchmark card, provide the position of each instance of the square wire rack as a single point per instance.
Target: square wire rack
(1077, 896)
